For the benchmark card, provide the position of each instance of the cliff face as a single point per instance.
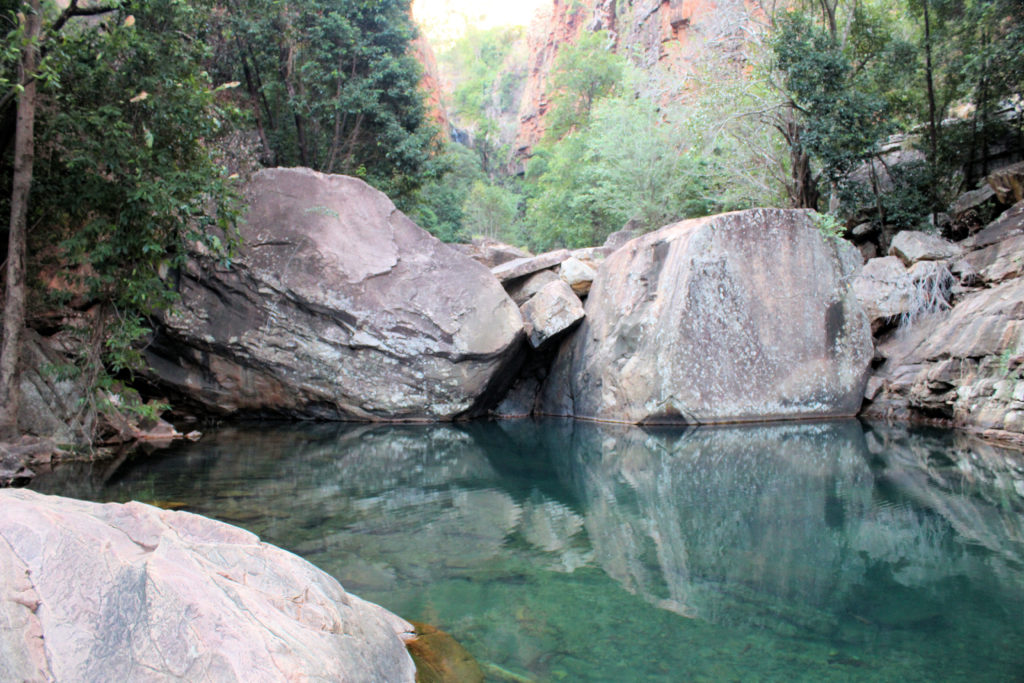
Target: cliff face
(431, 83)
(552, 28)
(673, 35)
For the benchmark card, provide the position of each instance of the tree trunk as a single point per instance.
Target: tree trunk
(14, 307)
(803, 193)
(254, 99)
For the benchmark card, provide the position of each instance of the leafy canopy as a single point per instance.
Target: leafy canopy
(125, 178)
(333, 85)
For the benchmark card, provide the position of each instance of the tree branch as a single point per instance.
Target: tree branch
(73, 10)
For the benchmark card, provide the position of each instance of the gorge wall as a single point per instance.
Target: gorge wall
(430, 84)
(670, 35)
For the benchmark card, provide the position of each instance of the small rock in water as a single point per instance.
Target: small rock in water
(440, 658)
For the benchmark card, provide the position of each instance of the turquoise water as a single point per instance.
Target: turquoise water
(570, 551)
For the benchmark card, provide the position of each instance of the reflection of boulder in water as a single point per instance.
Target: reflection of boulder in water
(747, 524)
(684, 517)
(791, 524)
(971, 484)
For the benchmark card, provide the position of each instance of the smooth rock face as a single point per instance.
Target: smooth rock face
(337, 307)
(742, 316)
(554, 310)
(913, 246)
(130, 592)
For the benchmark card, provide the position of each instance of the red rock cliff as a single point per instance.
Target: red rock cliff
(552, 28)
(675, 34)
(431, 83)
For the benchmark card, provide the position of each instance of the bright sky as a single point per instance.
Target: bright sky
(445, 20)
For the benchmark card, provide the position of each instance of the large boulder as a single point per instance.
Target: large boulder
(1008, 183)
(742, 316)
(115, 592)
(963, 365)
(521, 267)
(337, 307)
(525, 288)
(577, 275)
(490, 252)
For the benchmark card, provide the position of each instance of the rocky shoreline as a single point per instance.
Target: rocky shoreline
(340, 308)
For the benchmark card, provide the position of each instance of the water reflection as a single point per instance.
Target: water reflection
(759, 523)
(592, 551)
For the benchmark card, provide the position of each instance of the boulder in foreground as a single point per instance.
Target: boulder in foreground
(130, 592)
(739, 317)
(337, 307)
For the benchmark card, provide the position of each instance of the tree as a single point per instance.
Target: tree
(123, 121)
(973, 58)
(333, 85)
(583, 74)
(490, 210)
(24, 149)
(636, 160)
(831, 120)
(438, 204)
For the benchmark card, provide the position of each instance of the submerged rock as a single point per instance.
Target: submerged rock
(742, 316)
(130, 592)
(337, 307)
(441, 659)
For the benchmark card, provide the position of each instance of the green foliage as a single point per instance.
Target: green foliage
(905, 203)
(649, 156)
(828, 225)
(334, 86)
(843, 120)
(125, 182)
(438, 204)
(123, 163)
(485, 83)
(584, 73)
(490, 211)
(870, 68)
(979, 65)
(633, 161)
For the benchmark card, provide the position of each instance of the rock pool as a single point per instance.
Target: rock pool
(558, 550)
